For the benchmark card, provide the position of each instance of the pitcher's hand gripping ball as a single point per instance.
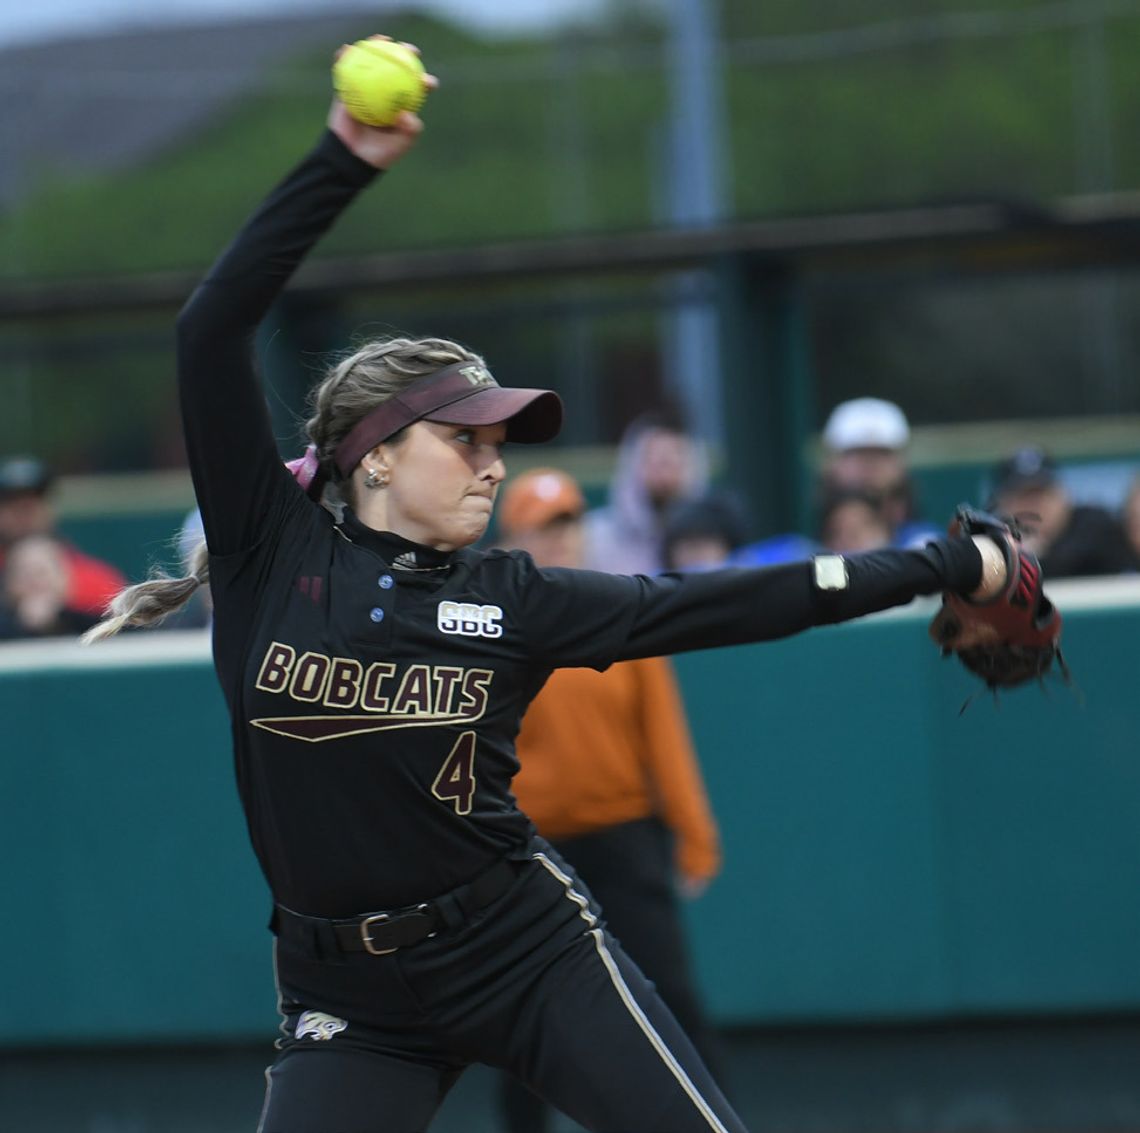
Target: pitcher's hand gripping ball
(1012, 638)
(376, 79)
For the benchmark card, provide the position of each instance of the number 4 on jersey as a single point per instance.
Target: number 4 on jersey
(455, 782)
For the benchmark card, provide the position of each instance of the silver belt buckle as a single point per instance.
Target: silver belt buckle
(377, 918)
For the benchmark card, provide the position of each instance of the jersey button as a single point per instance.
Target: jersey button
(386, 582)
(376, 614)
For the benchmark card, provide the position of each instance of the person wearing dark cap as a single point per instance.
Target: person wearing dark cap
(608, 773)
(26, 510)
(702, 533)
(1071, 540)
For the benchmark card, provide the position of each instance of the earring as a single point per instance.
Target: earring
(376, 479)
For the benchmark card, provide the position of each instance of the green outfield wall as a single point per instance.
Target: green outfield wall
(886, 858)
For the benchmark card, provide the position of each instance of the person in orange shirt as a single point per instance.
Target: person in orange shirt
(609, 776)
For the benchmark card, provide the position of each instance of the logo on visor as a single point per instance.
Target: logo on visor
(478, 375)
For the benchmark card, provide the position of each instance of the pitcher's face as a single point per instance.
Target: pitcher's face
(442, 483)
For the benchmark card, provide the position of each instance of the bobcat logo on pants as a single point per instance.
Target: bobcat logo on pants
(318, 1026)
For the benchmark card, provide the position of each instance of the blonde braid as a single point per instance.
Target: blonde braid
(148, 603)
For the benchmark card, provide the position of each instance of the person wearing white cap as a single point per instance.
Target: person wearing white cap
(866, 423)
(865, 449)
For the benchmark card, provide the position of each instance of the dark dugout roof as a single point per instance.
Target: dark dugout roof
(1076, 232)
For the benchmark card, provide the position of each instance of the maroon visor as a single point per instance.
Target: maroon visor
(463, 393)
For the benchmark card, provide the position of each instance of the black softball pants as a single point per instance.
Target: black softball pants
(532, 985)
(629, 870)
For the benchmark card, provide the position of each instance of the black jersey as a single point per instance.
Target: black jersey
(376, 686)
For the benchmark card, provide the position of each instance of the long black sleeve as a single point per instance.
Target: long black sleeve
(587, 618)
(238, 476)
(740, 606)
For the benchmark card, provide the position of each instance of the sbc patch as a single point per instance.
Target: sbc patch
(469, 620)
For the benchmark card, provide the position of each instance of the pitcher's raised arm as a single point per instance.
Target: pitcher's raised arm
(238, 476)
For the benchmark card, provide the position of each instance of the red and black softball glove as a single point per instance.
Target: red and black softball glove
(1009, 639)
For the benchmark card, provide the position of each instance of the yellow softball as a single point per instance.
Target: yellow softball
(376, 79)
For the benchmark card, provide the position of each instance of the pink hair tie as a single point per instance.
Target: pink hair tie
(306, 470)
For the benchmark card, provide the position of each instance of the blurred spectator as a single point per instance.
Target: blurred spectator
(853, 520)
(702, 533)
(190, 536)
(1071, 540)
(789, 547)
(658, 464)
(34, 595)
(865, 448)
(1130, 516)
(865, 471)
(26, 509)
(541, 512)
(609, 776)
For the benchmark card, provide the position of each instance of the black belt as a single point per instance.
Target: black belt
(380, 933)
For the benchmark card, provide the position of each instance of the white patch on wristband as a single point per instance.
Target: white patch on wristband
(830, 572)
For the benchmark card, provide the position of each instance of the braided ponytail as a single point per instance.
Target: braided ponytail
(148, 603)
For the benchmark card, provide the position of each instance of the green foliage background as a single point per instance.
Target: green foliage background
(530, 137)
(828, 107)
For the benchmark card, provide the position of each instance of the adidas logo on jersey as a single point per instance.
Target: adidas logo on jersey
(469, 620)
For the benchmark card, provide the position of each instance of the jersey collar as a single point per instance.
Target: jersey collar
(395, 550)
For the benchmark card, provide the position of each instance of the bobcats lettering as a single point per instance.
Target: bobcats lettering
(446, 692)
